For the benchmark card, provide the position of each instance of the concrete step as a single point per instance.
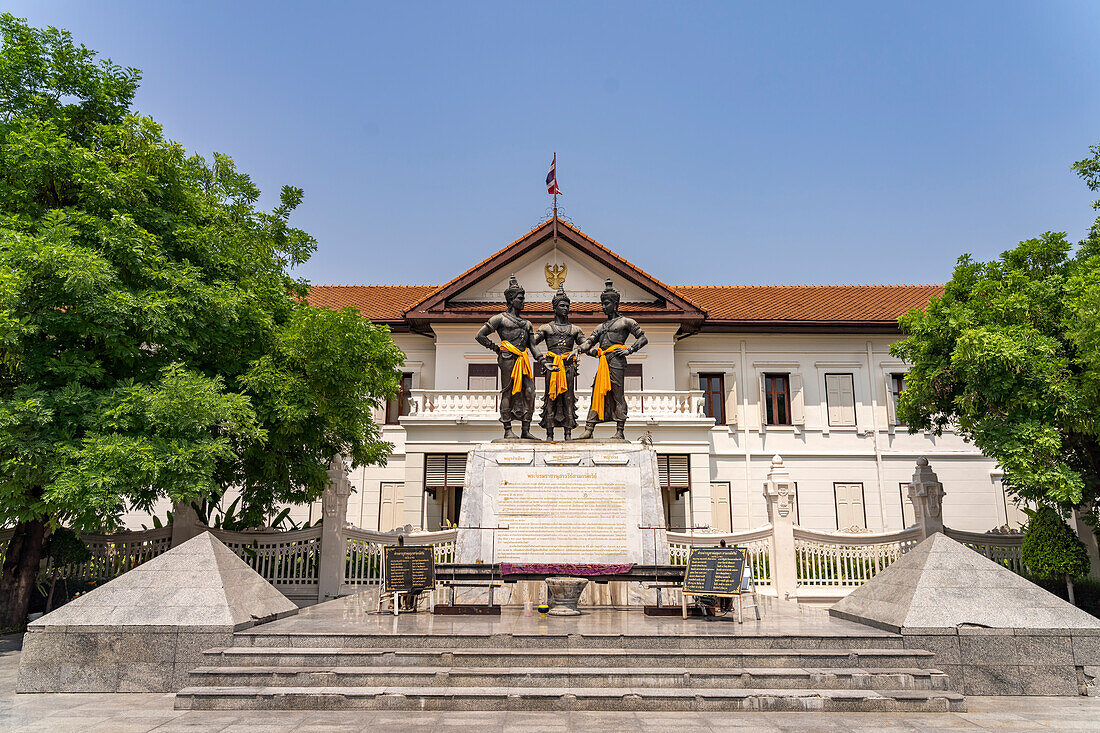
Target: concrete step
(238, 656)
(665, 677)
(578, 698)
(475, 640)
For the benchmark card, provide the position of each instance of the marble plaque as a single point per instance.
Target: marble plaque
(568, 514)
(563, 506)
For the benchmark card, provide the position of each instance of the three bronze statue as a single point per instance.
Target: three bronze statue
(564, 345)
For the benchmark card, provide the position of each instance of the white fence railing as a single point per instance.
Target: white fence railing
(758, 543)
(114, 554)
(364, 554)
(475, 403)
(827, 565)
(287, 560)
(1000, 548)
(842, 560)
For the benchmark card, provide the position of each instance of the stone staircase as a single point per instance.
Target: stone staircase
(568, 672)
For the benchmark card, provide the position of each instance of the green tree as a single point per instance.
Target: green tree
(1010, 356)
(152, 342)
(1052, 550)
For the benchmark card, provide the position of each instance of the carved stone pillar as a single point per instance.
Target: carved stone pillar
(926, 492)
(185, 523)
(780, 493)
(334, 513)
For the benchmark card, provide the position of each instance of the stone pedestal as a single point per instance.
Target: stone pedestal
(565, 592)
(566, 503)
(562, 504)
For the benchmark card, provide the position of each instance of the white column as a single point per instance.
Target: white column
(334, 513)
(780, 494)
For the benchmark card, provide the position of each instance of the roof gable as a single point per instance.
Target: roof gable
(479, 290)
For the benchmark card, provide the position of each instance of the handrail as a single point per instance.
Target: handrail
(267, 535)
(1000, 540)
(912, 534)
(712, 539)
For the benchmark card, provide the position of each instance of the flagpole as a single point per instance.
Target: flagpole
(555, 196)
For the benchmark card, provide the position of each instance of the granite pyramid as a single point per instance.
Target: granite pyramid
(199, 583)
(144, 630)
(942, 584)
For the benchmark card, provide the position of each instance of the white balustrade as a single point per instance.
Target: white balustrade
(474, 404)
(757, 542)
(842, 560)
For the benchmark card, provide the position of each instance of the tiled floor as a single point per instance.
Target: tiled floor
(356, 614)
(138, 713)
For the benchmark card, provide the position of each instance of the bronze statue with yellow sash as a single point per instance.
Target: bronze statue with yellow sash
(608, 344)
(517, 378)
(563, 339)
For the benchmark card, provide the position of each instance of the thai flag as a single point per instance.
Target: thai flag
(552, 177)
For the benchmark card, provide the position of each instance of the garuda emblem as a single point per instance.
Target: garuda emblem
(555, 275)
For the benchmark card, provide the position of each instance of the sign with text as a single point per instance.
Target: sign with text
(714, 571)
(409, 569)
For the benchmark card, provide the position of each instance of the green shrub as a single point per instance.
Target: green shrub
(1052, 550)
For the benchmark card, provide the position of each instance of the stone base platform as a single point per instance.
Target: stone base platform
(341, 655)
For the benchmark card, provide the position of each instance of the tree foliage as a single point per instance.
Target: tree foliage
(1010, 357)
(152, 341)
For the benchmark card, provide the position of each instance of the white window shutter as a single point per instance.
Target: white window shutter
(378, 414)
(763, 402)
(840, 396)
(891, 408)
(435, 470)
(456, 469)
(731, 401)
(798, 401)
(679, 475)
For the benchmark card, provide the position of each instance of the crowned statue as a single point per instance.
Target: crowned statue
(608, 344)
(517, 379)
(563, 339)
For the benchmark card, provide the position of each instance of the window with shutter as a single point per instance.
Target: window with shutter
(482, 377)
(896, 385)
(444, 470)
(714, 396)
(721, 515)
(777, 399)
(840, 399)
(398, 405)
(391, 506)
(632, 381)
(908, 514)
(849, 506)
(673, 473)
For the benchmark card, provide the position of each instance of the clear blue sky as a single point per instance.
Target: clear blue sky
(708, 143)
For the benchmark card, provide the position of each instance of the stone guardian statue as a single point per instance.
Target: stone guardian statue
(608, 344)
(563, 339)
(517, 379)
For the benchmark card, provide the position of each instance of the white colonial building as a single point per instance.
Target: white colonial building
(732, 375)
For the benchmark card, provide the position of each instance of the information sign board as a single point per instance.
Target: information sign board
(409, 569)
(714, 571)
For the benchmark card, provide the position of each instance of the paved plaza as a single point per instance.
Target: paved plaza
(137, 713)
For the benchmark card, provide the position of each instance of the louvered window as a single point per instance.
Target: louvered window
(673, 474)
(444, 470)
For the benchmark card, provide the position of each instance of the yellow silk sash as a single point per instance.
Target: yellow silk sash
(558, 383)
(602, 384)
(521, 368)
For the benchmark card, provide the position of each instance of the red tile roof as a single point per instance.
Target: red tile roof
(842, 303)
(376, 302)
(805, 303)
